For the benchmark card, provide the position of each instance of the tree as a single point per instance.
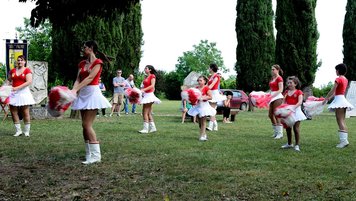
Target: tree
(39, 38)
(349, 38)
(115, 25)
(256, 44)
(199, 59)
(297, 37)
(172, 88)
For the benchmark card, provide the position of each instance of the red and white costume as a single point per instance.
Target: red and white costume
(90, 97)
(149, 96)
(273, 85)
(339, 99)
(203, 108)
(216, 96)
(22, 96)
(293, 100)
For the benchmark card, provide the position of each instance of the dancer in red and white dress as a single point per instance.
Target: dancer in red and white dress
(203, 108)
(276, 86)
(294, 96)
(148, 98)
(340, 104)
(213, 84)
(90, 98)
(21, 98)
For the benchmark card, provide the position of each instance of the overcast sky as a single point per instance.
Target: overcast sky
(172, 27)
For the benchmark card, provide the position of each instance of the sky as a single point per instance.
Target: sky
(172, 27)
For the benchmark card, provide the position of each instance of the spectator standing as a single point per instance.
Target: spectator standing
(118, 99)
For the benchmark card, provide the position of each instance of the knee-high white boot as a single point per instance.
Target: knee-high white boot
(215, 125)
(27, 130)
(152, 127)
(145, 128)
(210, 126)
(279, 132)
(274, 131)
(87, 151)
(343, 139)
(95, 154)
(18, 130)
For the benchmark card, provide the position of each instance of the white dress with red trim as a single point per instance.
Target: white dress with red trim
(149, 96)
(339, 100)
(90, 97)
(203, 108)
(22, 96)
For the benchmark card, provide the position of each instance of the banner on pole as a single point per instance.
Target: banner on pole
(14, 48)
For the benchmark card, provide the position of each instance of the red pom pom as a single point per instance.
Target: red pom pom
(134, 95)
(59, 100)
(192, 95)
(260, 99)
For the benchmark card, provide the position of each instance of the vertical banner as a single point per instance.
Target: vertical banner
(14, 48)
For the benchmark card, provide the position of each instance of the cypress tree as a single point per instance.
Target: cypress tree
(349, 38)
(297, 37)
(256, 44)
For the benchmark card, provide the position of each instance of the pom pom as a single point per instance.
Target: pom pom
(59, 100)
(285, 113)
(192, 95)
(260, 99)
(5, 100)
(313, 105)
(5, 92)
(134, 95)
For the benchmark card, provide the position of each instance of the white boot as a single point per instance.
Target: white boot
(215, 125)
(274, 131)
(145, 128)
(279, 131)
(87, 151)
(18, 130)
(152, 127)
(27, 130)
(343, 140)
(210, 126)
(95, 155)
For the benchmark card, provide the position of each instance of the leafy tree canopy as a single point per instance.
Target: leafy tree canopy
(199, 59)
(64, 12)
(40, 40)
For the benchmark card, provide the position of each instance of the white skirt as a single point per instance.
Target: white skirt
(22, 97)
(340, 102)
(279, 96)
(203, 108)
(90, 98)
(149, 98)
(216, 96)
(298, 114)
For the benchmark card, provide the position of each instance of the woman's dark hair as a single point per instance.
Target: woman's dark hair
(214, 67)
(23, 58)
(341, 68)
(295, 80)
(152, 69)
(204, 77)
(280, 71)
(94, 45)
(228, 93)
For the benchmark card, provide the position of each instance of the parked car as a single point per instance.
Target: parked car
(239, 99)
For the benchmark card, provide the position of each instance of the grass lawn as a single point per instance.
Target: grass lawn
(239, 162)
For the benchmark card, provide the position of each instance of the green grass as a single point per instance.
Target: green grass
(239, 162)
